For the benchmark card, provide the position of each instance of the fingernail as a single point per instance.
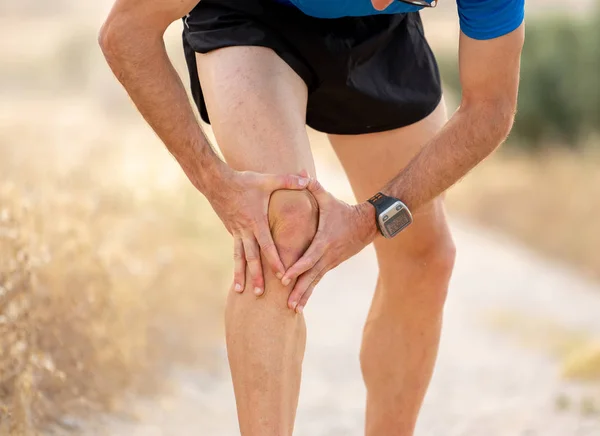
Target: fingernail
(238, 287)
(278, 275)
(303, 181)
(294, 304)
(286, 281)
(257, 291)
(300, 309)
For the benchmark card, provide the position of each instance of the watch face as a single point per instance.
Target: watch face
(397, 222)
(394, 219)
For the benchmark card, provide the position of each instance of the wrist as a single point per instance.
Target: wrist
(367, 221)
(202, 166)
(212, 176)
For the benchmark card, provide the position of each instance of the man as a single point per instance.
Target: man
(361, 71)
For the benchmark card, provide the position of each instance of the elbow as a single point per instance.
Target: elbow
(500, 122)
(495, 118)
(122, 37)
(109, 39)
(114, 37)
(503, 118)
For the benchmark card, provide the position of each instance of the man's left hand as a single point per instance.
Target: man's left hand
(343, 231)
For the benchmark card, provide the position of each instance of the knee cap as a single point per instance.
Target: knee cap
(293, 217)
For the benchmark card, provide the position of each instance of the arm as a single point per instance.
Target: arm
(132, 42)
(489, 71)
(489, 74)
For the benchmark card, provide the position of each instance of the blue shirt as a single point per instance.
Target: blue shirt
(479, 19)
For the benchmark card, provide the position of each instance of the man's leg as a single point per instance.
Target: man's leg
(257, 109)
(402, 331)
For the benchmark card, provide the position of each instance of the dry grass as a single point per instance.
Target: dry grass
(548, 200)
(109, 261)
(577, 351)
(111, 265)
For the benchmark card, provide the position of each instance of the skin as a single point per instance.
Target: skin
(265, 338)
(131, 36)
(489, 73)
(402, 330)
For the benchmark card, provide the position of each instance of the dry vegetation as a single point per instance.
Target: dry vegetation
(112, 266)
(549, 200)
(109, 261)
(577, 350)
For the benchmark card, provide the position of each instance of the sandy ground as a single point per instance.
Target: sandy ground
(487, 382)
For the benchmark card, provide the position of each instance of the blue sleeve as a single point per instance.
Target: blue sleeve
(487, 19)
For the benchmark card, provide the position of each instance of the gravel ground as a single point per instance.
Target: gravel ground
(487, 382)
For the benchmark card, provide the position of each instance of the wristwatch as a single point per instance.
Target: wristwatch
(392, 216)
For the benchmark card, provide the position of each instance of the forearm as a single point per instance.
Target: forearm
(468, 138)
(140, 62)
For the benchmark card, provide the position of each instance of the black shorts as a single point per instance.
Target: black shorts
(364, 74)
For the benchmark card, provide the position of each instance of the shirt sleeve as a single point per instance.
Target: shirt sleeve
(487, 19)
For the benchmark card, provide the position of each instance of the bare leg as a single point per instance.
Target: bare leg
(257, 108)
(265, 339)
(402, 331)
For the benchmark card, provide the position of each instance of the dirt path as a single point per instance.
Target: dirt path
(487, 382)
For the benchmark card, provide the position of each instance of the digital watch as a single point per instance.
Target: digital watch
(391, 214)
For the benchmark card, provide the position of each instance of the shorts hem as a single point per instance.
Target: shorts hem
(362, 130)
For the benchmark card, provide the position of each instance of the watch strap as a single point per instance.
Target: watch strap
(381, 201)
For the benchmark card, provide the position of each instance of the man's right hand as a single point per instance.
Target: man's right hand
(132, 42)
(241, 199)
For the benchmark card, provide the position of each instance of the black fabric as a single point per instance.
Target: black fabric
(364, 74)
(381, 201)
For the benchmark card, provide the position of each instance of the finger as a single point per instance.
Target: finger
(304, 173)
(317, 190)
(303, 284)
(252, 253)
(269, 250)
(286, 181)
(307, 261)
(302, 304)
(239, 265)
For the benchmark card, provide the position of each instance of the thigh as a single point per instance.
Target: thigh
(372, 160)
(257, 108)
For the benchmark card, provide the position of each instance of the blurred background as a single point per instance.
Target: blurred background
(113, 268)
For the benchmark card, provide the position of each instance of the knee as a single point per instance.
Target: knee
(293, 218)
(437, 261)
(432, 270)
(422, 272)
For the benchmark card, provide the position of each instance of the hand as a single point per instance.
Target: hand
(241, 200)
(343, 231)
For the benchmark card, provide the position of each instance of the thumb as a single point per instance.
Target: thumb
(316, 189)
(304, 173)
(286, 181)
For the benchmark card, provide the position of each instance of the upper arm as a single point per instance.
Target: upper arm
(487, 19)
(490, 50)
(489, 70)
(153, 15)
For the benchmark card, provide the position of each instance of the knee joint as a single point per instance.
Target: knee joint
(427, 267)
(439, 259)
(434, 269)
(293, 217)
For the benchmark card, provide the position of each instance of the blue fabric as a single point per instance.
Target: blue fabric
(479, 19)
